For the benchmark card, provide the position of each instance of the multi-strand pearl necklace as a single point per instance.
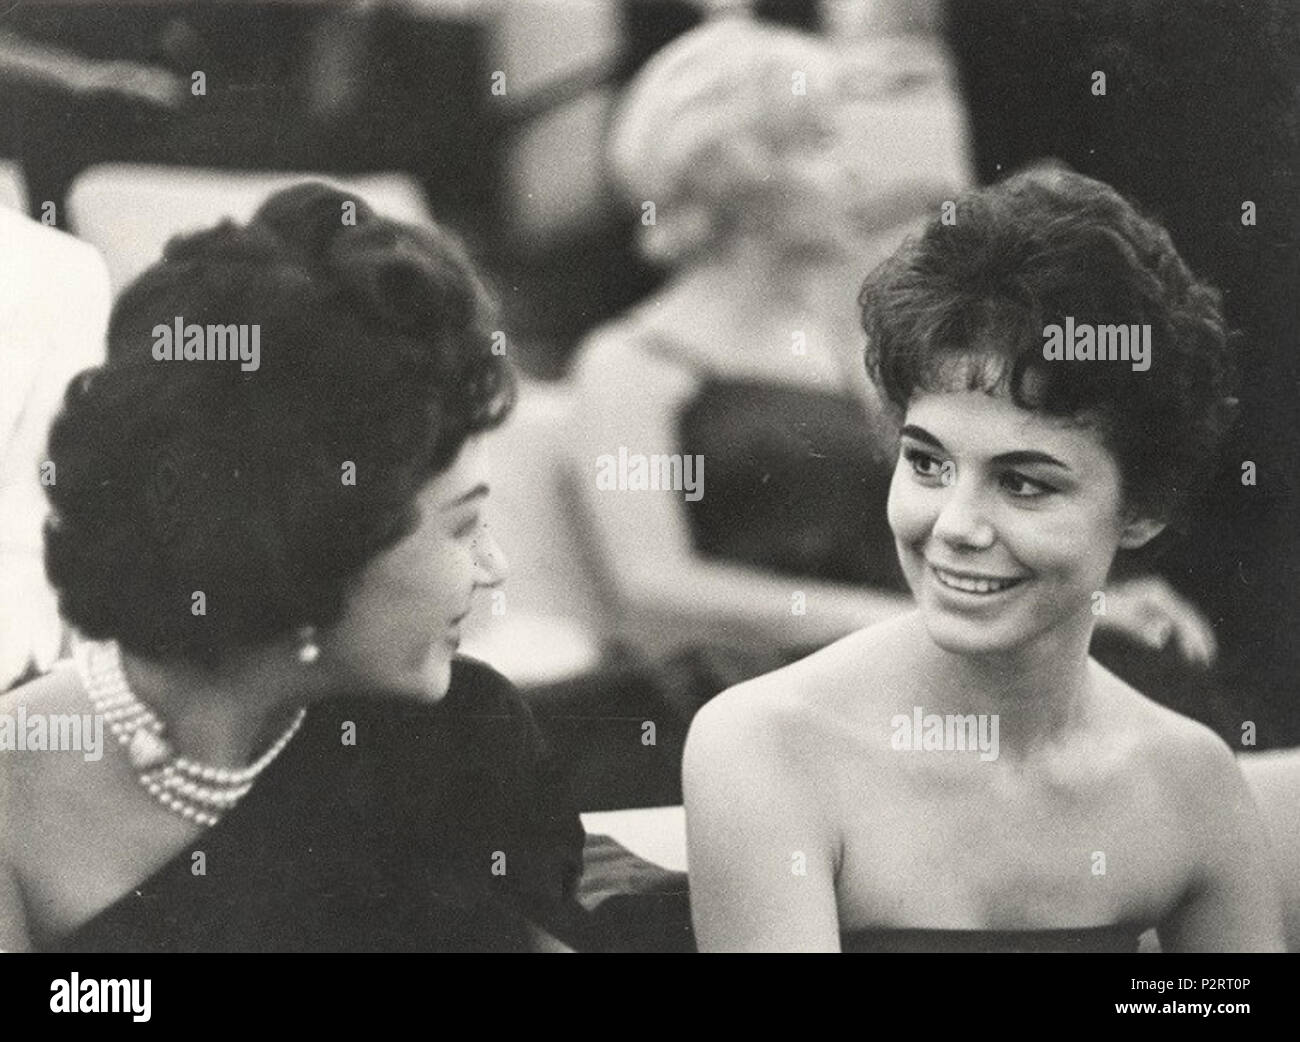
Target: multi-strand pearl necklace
(194, 791)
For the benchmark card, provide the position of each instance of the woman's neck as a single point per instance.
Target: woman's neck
(765, 279)
(227, 715)
(1041, 693)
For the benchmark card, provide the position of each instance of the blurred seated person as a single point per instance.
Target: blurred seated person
(750, 355)
(54, 302)
(268, 559)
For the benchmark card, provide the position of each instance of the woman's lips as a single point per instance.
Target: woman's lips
(453, 630)
(975, 583)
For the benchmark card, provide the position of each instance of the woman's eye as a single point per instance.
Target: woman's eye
(1026, 488)
(923, 464)
(467, 529)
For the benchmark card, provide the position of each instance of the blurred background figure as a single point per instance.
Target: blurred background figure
(54, 303)
(767, 203)
(748, 355)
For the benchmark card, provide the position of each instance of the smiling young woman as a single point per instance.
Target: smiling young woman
(1019, 481)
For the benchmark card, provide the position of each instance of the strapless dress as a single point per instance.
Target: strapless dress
(1120, 937)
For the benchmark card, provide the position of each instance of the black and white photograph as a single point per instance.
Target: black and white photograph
(650, 477)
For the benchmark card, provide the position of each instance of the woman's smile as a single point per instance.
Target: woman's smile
(974, 583)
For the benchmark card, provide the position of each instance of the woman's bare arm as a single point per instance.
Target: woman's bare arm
(13, 916)
(761, 851)
(13, 919)
(1232, 904)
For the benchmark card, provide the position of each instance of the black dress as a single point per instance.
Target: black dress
(443, 828)
(797, 484)
(1120, 937)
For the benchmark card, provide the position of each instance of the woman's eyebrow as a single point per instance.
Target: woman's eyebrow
(920, 434)
(1019, 457)
(1029, 456)
(481, 489)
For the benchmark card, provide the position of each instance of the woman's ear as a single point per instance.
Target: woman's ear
(1139, 531)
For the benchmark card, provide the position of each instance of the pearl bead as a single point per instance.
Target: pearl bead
(174, 782)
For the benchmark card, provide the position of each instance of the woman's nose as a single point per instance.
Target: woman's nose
(490, 562)
(961, 521)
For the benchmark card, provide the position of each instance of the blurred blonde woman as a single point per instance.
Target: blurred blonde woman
(743, 147)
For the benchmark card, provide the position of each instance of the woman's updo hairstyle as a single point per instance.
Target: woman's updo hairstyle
(266, 489)
(702, 124)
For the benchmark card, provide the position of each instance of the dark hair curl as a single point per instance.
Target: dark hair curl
(965, 305)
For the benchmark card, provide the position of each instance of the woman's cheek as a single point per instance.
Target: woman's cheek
(907, 509)
(1056, 545)
(450, 576)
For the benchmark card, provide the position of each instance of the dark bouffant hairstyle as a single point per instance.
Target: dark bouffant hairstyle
(180, 476)
(964, 305)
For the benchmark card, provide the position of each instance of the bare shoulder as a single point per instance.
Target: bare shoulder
(625, 394)
(617, 353)
(795, 715)
(56, 694)
(1187, 759)
(56, 691)
(42, 796)
(604, 346)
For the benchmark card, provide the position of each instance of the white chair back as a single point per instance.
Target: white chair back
(130, 210)
(554, 619)
(13, 187)
(551, 569)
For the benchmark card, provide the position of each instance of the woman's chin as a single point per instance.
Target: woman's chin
(969, 636)
(425, 681)
(436, 678)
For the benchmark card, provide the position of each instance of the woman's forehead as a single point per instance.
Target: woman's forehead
(982, 423)
(468, 473)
